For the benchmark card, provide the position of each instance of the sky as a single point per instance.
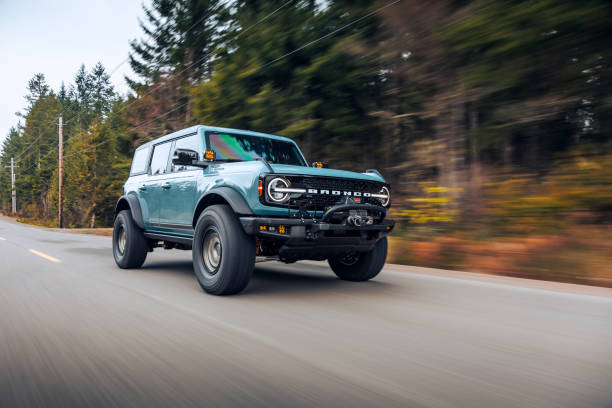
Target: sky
(55, 37)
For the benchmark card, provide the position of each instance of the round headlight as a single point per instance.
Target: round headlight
(277, 196)
(386, 199)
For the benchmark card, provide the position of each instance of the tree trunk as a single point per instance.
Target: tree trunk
(450, 131)
(475, 183)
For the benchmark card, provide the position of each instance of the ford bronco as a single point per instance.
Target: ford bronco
(231, 196)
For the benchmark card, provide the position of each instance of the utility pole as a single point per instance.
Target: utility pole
(61, 175)
(13, 191)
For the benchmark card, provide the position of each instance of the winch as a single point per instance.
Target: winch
(359, 218)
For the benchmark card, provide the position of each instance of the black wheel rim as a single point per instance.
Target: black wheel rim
(349, 260)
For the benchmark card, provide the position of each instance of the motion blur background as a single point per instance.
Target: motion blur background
(492, 120)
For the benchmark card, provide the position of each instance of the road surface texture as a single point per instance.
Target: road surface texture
(75, 330)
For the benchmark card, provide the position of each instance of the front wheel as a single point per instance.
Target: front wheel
(360, 266)
(223, 254)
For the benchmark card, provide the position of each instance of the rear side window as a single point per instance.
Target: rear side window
(159, 161)
(139, 163)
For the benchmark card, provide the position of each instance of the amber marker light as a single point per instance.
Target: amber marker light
(209, 155)
(260, 188)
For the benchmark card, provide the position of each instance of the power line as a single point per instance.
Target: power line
(154, 37)
(131, 128)
(260, 67)
(154, 88)
(328, 34)
(28, 147)
(38, 138)
(112, 72)
(27, 170)
(180, 72)
(109, 140)
(187, 67)
(157, 37)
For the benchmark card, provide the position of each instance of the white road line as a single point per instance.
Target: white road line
(47, 257)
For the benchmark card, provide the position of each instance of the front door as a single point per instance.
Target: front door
(179, 189)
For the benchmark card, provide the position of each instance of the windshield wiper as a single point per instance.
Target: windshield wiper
(264, 161)
(261, 159)
(227, 160)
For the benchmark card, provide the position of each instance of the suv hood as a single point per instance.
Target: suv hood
(312, 171)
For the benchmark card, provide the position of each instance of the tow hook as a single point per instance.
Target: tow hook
(358, 220)
(354, 220)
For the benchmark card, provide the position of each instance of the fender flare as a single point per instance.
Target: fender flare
(133, 205)
(235, 200)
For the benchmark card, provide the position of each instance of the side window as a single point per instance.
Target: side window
(159, 161)
(139, 163)
(191, 143)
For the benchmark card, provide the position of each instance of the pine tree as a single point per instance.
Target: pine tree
(38, 88)
(180, 35)
(537, 72)
(316, 95)
(102, 92)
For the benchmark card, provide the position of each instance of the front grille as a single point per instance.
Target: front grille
(322, 202)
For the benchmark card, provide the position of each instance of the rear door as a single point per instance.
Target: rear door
(138, 178)
(152, 188)
(179, 189)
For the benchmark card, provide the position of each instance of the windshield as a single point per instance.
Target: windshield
(232, 146)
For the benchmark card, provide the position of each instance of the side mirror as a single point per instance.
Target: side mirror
(319, 165)
(184, 157)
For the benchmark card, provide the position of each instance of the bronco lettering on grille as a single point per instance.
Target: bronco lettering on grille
(338, 192)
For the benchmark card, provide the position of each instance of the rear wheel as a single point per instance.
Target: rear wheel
(129, 242)
(360, 266)
(223, 254)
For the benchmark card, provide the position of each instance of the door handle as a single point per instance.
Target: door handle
(166, 186)
(142, 188)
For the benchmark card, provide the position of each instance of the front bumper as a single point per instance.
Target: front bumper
(314, 239)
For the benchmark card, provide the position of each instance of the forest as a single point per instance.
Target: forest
(491, 120)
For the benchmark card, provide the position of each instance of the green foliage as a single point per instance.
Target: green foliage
(179, 35)
(535, 72)
(477, 112)
(578, 187)
(318, 96)
(430, 206)
(94, 170)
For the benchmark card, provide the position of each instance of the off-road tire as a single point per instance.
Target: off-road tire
(134, 243)
(228, 247)
(363, 266)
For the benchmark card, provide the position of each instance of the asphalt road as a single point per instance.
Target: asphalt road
(77, 331)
